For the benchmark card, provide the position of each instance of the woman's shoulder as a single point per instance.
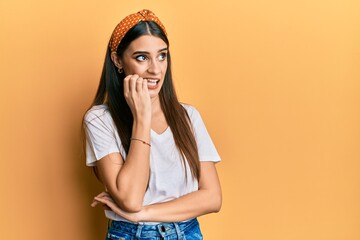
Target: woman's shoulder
(97, 112)
(191, 110)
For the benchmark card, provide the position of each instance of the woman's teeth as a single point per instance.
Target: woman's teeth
(152, 82)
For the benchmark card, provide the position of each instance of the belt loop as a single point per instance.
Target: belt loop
(138, 230)
(178, 232)
(109, 223)
(161, 229)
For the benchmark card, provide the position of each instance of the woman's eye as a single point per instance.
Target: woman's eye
(141, 58)
(162, 56)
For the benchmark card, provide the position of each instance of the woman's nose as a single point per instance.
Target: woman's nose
(154, 67)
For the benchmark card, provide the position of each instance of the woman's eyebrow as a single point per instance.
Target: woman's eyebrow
(164, 49)
(145, 52)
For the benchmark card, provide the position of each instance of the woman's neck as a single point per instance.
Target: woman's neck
(155, 105)
(158, 121)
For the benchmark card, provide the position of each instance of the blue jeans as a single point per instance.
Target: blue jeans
(188, 230)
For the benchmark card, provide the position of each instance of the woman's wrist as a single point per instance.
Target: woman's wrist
(141, 130)
(143, 215)
(141, 122)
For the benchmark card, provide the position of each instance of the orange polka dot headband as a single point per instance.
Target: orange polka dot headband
(124, 26)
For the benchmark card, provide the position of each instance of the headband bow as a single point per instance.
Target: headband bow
(130, 21)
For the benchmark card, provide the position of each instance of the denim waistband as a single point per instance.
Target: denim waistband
(158, 230)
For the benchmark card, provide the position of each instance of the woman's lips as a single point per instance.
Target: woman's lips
(152, 83)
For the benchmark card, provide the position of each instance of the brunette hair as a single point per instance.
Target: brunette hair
(111, 92)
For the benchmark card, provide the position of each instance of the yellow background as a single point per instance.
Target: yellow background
(277, 83)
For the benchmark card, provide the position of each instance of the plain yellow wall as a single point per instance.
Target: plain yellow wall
(277, 83)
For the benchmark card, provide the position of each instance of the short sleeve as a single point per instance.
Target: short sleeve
(100, 134)
(206, 147)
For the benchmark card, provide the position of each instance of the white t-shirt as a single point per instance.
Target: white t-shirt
(167, 175)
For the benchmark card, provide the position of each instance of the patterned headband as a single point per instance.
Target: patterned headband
(124, 26)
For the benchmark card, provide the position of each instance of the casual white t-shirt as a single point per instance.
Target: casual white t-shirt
(167, 175)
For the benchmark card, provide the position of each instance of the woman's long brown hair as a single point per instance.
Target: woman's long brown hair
(110, 91)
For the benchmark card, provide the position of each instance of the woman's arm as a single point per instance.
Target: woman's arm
(206, 200)
(127, 181)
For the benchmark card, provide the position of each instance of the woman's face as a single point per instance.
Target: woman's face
(146, 56)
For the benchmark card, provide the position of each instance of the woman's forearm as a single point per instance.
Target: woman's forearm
(133, 177)
(183, 208)
(129, 183)
(186, 207)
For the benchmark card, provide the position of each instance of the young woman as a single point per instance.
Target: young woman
(152, 153)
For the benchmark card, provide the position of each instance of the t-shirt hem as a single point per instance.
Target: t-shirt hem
(100, 156)
(210, 159)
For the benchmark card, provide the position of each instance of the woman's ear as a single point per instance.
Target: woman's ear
(116, 60)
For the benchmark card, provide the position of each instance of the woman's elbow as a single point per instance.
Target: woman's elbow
(216, 203)
(130, 205)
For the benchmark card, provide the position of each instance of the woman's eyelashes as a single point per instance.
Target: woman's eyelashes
(162, 56)
(141, 58)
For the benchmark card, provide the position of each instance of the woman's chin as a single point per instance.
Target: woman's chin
(154, 94)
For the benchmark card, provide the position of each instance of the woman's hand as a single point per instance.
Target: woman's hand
(137, 97)
(108, 203)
